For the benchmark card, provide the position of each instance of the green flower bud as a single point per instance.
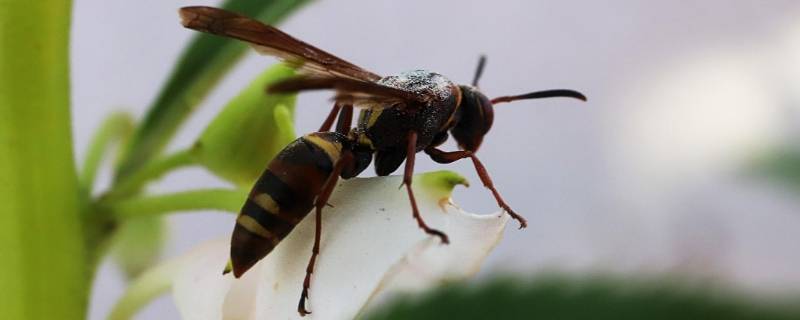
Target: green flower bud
(138, 244)
(249, 131)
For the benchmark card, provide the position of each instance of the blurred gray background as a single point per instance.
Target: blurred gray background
(648, 176)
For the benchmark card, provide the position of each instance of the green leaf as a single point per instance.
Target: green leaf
(44, 272)
(782, 166)
(205, 60)
(249, 131)
(594, 298)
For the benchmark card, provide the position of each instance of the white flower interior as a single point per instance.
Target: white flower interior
(370, 245)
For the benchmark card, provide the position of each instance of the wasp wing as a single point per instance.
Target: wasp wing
(350, 91)
(271, 41)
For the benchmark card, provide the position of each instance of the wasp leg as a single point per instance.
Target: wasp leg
(345, 119)
(487, 182)
(407, 177)
(326, 126)
(448, 157)
(319, 203)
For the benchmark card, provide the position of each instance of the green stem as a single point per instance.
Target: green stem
(151, 171)
(101, 224)
(205, 199)
(44, 272)
(114, 129)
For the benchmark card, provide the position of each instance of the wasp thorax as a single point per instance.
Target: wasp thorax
(422, 82)
(475, 117)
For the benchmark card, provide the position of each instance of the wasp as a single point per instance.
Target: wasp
(400, 115)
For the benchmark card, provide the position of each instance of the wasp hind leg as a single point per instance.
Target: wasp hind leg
(345, 113)
(345, 119)
(319, 203)
(448, 157)
(407, 177)
(328, 123)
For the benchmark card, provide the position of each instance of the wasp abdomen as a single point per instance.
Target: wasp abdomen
(283, 196)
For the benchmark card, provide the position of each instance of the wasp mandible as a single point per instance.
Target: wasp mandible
(400, 116)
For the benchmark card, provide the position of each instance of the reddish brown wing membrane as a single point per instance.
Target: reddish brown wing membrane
(352, 84)
(271, 41)
(358, 93)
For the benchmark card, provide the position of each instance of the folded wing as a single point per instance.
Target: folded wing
(271, 41)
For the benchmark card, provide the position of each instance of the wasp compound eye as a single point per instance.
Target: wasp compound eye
(475, 118)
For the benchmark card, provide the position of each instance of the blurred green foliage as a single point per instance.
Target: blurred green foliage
(137, 243)
(782, 166)
(591, 298)
(203, 63)
(53, 229)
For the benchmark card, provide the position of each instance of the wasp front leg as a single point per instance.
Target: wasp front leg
(448, 157)
(407, 178)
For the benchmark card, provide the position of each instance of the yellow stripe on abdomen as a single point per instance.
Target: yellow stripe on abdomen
(265, 201)
(250, 224)
(334, 150)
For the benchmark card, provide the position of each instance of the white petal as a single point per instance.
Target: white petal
(472, 238)
(367, 233)
(370, 245)
(199, 289)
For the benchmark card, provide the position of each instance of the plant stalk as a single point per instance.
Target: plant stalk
(44, 272)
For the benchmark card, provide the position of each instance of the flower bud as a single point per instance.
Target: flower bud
(251, 129)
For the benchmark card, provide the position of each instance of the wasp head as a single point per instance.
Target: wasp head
(475, 117)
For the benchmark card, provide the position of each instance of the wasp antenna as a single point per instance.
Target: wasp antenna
(565, 93)
(479, 70)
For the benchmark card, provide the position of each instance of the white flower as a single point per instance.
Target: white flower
(371, 247)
